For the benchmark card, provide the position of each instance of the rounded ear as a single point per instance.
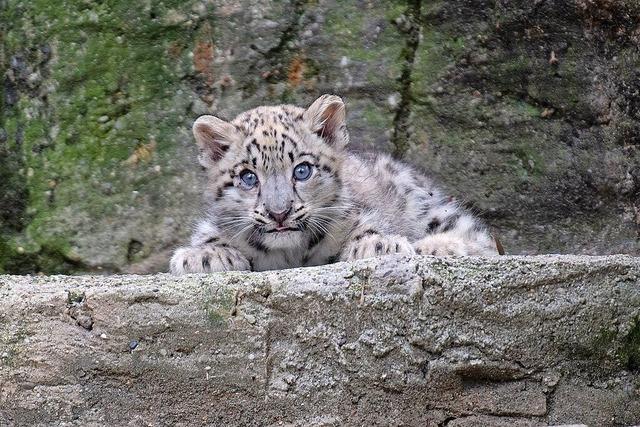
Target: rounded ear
(214, 137)
(326, 118)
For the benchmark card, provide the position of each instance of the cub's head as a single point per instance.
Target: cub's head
(275, 172)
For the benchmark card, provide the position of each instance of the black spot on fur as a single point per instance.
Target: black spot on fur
(378, 248)
(211, 240)
(479, 227)
(433, 225)
(326, 169)
(206, 263)
(255, 243)
(295, 190)
(450, 223)
(314, 156)
(315, 239)
(365, 233)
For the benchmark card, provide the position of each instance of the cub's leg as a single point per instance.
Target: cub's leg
(367, 241)
(456, 234)
(207, 259)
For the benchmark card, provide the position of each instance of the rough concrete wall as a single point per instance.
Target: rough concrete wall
(529, 111)
(512, 341)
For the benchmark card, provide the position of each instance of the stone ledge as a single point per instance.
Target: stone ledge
(510, 341)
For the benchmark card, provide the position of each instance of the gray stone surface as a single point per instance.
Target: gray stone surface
(510, 341)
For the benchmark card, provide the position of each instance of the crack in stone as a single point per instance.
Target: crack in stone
(274, 61)
(401, 122)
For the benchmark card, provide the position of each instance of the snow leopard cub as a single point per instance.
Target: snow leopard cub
(284, 192)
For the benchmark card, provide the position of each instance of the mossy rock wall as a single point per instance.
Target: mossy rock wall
(527, 111)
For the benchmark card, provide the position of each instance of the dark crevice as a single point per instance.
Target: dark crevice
(446, 421)
(273, 65)
(133, 249)
(290, 33)
(410, 26)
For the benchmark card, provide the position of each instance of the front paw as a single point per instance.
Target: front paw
(375, 245)
(207, 259)
(441, 245)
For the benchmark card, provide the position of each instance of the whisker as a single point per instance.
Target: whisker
(240, 232)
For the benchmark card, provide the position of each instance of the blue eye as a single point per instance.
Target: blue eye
(302, 172)
(248, 178)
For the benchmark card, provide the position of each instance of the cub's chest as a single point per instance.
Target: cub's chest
(277, 260)
(324, 252)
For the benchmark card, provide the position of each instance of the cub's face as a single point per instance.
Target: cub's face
(275, 172)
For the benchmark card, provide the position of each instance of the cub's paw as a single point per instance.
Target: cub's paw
(442, 245)
(375, 245)
(207, 259)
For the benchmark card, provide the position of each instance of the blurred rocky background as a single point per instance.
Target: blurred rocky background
(529, 111)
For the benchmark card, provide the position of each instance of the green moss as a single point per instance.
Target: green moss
(115, 92)
(525, 109)
(6, 254)
(354, 37)
(376, 118)
(440, 46)
(359, 279)
(603, 343)
(529, 159)
(10, 345)
(630, 351)
(626, 350)
(219, 305)
(75, 297)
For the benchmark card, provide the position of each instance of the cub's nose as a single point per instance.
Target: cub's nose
(279, 217)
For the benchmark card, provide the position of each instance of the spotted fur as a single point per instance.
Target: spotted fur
(350, 207)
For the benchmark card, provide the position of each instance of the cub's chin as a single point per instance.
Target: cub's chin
(285, 239)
